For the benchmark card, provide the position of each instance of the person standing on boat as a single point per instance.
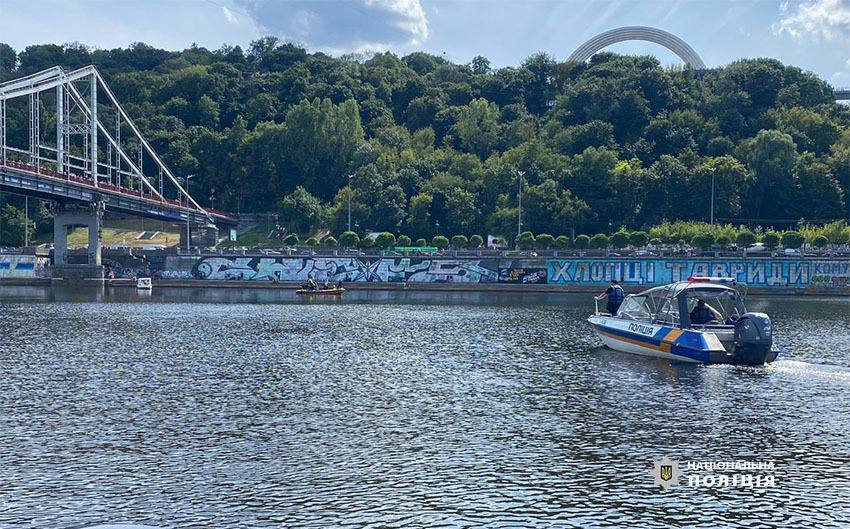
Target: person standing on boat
(615, 295)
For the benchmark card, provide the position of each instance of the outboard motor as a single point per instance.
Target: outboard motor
(753, 338)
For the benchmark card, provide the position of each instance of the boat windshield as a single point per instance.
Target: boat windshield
(636, 307)
(725, 306)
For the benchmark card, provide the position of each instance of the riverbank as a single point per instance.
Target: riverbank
(392, 286)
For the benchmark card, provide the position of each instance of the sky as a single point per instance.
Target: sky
(811, 34)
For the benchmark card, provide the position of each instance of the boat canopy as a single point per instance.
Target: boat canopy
(672, 304)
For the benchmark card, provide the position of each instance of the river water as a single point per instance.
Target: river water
(251, 409)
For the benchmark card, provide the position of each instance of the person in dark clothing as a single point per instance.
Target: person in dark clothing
(703, 314)
(615, 295)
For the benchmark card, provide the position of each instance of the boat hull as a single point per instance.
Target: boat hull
(327, 292)
(660, 341)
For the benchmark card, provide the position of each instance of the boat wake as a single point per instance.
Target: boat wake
(808, 369)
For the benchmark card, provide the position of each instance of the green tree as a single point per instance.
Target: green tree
(792, 239)
(330, 241)
(419, 216)
(770, 239)
(525, 240)
(349, 239)
(638, 239)
(291, 239)
(562, 242)
(384, 240)
(544, 241)
(582, 242)
(367, 242)
(745, 239)
(820, 241)
(598, 241)
(703, 241)
(404, 240)
(421, 243)
(620, 239)
(311, 241)
(476, 241)
(771, 156)
(440, 242)
(459, 242)
(301, 209)
(12, 226)
(477, 127)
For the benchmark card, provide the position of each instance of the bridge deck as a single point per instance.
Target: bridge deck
(44, 183)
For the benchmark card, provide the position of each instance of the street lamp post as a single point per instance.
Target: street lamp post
(712, 169)
(26, 220)
(188, 229)
(349, 201)
(519, 205)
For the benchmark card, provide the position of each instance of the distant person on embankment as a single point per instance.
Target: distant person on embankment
(615, 295)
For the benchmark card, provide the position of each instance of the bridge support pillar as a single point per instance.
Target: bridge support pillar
(201, 237)
(66, 217)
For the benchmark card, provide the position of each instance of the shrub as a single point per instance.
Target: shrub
(771, 239)
(421, 242)
(459, 242)
(656, 241)
(724, 240)
(792, 239)
(311, 241)
(745, 239)
(384, 240)
(329, 241)
(562, 242)
(525, 240)
(404, 240)
(349, 239)
(703, 241)
(544, 241)
(582, 242)
(440, 242)
(367, 242)
(476, 241)
(600, 240)
(291, 239)
(820, 241)
(620, 239)
(638, 239)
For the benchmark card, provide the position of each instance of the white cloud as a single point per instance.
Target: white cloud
(412, 17)
(817, 19)
(228, 14)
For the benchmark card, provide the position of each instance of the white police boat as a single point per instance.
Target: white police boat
(657, 322)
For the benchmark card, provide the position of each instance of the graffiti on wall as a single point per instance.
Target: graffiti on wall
(754, 272)
(23, 266)
(522, 275)
(346, 269)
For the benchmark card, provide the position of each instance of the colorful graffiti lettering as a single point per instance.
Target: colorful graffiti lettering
(345, 269)
(23, 266)
(755, 272)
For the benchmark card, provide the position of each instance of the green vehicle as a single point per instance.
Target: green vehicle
(420, 249)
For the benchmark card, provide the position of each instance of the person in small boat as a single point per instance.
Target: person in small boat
(326, 285)
(615, 295)
(311, 284)
(703, 314)
(339, 285)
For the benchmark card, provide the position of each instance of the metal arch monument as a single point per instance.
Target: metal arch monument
(658, 36)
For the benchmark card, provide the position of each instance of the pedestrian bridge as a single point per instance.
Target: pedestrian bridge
(84, 154)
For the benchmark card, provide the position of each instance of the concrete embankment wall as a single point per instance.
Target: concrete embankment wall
(780, 274)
